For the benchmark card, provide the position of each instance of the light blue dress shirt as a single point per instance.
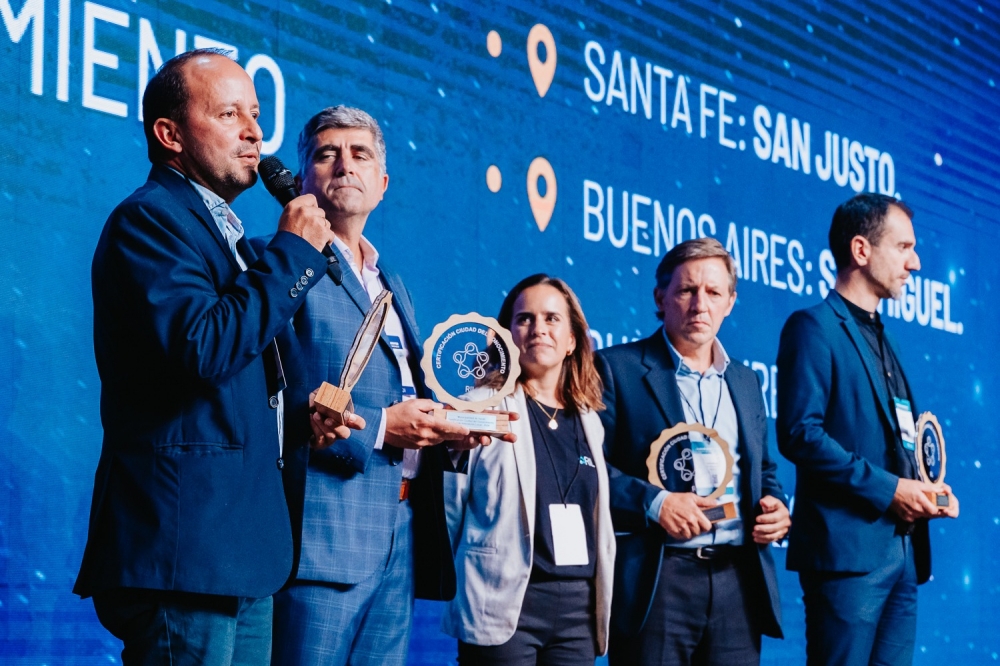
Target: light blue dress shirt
(706, 400)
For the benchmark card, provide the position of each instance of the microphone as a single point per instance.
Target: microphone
(280, 184)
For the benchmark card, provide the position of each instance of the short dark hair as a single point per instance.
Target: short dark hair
(862, 215)
(166, 96)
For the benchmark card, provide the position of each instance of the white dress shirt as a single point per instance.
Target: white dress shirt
(369, 277)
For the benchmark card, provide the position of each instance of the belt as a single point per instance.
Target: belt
(404, 490)
(705, 553)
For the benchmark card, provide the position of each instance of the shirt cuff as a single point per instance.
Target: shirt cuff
(380, 439)
(653, 512)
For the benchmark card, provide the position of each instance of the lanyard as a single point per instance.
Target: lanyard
(703, 420)
(545, 435)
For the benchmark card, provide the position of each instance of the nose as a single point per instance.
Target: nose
(344, 164)
(252, 131)
(914, 262)
(699, 301)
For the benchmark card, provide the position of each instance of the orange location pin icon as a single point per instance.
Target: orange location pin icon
(541, 206)
(541, 72)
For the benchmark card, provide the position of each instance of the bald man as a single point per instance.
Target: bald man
(189, 530)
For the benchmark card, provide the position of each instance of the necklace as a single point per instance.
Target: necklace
(553, 425)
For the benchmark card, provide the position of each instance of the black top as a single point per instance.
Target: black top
(872, 329)
(564, 473)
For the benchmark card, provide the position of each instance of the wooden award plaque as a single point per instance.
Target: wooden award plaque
(674, 437)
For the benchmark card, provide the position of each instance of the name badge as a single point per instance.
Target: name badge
(907, 428)
(569, 537)
(709, 468)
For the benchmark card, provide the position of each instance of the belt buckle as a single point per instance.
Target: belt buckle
(706, 555)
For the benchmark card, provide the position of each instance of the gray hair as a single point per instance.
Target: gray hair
(339, 117)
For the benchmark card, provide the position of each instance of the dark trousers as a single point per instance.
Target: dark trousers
(181, 628)
(863, 618)
(556, 628)
(701, 614)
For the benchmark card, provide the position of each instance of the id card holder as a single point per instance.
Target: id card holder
(569, 538)
(907, 427)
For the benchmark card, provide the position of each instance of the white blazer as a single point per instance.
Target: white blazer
(491, 521)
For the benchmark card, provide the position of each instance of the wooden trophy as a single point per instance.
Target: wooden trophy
(931, 457)
(335, 402)
(672, 466)
(465, 353)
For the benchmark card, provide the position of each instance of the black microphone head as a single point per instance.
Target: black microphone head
(278, 180)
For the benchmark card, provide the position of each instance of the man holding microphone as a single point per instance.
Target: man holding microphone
(189, 531)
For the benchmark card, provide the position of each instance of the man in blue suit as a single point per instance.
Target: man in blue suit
(367, 511)
(846, 419)
(189, 530)
(688, 591)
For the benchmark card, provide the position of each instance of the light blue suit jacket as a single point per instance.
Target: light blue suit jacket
(343, 500)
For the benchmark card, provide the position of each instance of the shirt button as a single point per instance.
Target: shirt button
(273, 401)
(293, 292)
(310, 272)
(281, 463)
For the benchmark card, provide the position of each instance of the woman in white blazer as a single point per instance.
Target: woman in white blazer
(530, 522)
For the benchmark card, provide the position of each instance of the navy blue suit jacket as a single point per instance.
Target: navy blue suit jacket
(187, 494)
(642, 399)
(834, 423)
(343, 499)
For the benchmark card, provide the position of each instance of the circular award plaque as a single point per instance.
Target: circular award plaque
(930, 449)
(467, 352)
(702, 464)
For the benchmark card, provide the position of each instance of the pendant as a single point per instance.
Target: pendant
(552, 424)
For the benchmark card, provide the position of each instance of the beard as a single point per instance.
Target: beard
(227, 177)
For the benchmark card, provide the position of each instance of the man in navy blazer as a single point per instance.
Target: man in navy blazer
(189, 530)
(688, 591)
(367, 511)
(846, 419)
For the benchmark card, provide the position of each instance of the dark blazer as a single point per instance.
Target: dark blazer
(343, 499)
(642, 399)
(187, 494)
(834, 423)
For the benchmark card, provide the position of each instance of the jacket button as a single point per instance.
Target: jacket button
(310, 272)
(293, 292)
(281, 463)
(273, 401)
(303, 281)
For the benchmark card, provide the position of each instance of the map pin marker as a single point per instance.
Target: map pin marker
(541, 206)
(542, 72)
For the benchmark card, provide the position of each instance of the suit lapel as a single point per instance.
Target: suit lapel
(868, 358)
(351, 284)
(662, 378)
(178, 186)
(743, 396)
(524, 456)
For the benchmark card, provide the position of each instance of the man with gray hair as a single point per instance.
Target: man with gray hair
(367, 511)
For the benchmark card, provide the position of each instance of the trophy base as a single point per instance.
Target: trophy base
(938, 499)
(334, 403)
(725, 511)
(480, 423)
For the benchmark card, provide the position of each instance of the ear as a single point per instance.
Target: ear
(385, 182)
(732, 302)
(168, 134)
(861, 250)
(298, 183)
